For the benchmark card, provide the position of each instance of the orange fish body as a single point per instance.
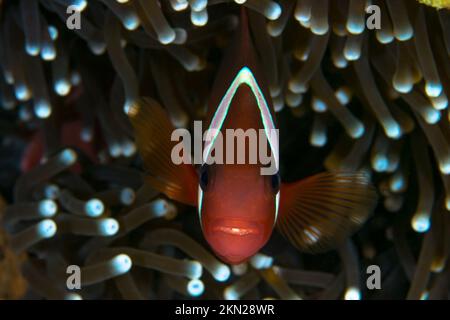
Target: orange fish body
(238, 205)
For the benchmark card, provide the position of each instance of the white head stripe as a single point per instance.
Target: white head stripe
(244, 76)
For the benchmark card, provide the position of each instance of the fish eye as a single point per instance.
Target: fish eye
(204, 178)
(275, 182)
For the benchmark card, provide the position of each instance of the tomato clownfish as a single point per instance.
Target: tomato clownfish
(237, 205)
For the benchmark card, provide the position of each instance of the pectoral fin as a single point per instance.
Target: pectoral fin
(153, 131)
(318, 212)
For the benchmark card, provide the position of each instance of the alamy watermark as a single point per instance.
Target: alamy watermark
(73, 21)
(73, 281)
(373, 21)
(373, 281)
(234, 146)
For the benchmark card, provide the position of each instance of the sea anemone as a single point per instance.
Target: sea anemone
(350, 95)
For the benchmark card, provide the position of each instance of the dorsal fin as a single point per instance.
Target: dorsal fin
(239, 54)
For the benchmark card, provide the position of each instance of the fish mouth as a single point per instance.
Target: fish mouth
(235, 240)
(236, 227)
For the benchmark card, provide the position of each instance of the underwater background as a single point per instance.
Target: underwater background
(347, 98)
